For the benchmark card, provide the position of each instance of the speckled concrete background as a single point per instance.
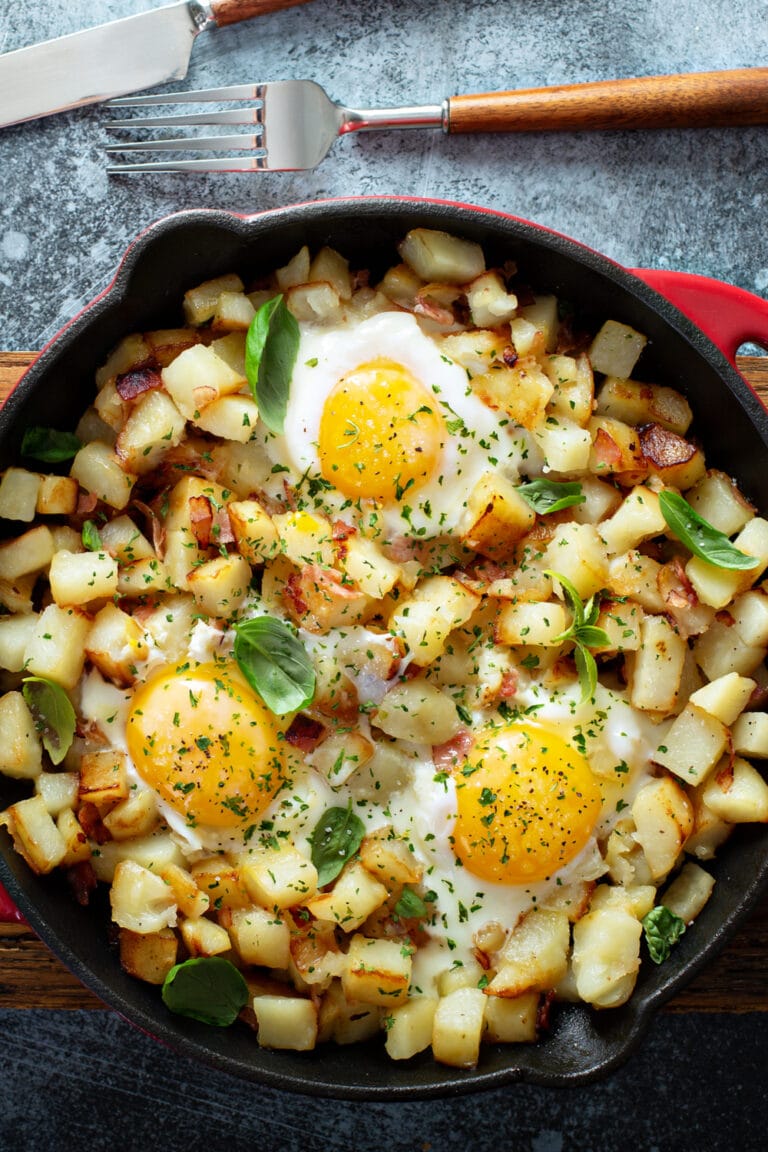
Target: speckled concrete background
(692, 201)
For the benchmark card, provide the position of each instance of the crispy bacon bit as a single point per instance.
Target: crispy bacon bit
(607, 451)
(675, 586)
(509, 355)
(453, 751)
(157, 528)
(201, 519)
(82, 880)
(86, 503)
(294, 595)
(508, 687)
(91, 823)
(724, 617)
(221, 531)
(134, 383)
(544, 1012)
(342, 531)
(305, 733)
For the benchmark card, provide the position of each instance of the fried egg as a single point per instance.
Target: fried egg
(377, 413)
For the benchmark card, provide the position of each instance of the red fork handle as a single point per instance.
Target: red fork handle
(729, 316)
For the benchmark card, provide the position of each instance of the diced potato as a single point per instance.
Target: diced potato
(670, 458)
(468, 974)
(457, 1028)
(351, 900)
(57, 496)
(426, 618)
(616, 449)
(97, 468)
(103, 777)
(306, 538)
(200, 303)
(497, 517)
(16, 595)
(233, 311)
(409, 1027)
(203, 937)
(718, 586)
(419, 711)
(21, 752)
(134, 817)
(82, 577)
(622, 621)
(141, 900)
(78, 849)
(616, 349)
(198, 377)
(655, 669)
(721, 650)
(377, 971)
(316, 597)
(314, 303)
(663, 818)
(717, 500)
(255, 533)
(56, 649)
(139, 579)
(154, 852)
(230, 418)
(341, 755)
(489, 302)
(25, 554)
(111, 409)
(132, 352)
(689, 892)
(219, 586)
(543, 314)
(19, 490)
(154, 426)
(637, 577)
(296, 271)
(364, 562)
(222, 882)
(749, 613)
(606, 956)
(638, 518)
(260, 937)
(190, 900)
(535, 956)
(438, 256)
(726, 698)
(243, 468)
(738, 795)
(574, 386)
(540, 624)
(389, 858)
(330, 266)
(35, 835)
(279, 878)
(640, 403)
(693, 745)
(166, 344)
(565, 445)
(286, 1022)
(90, 426)
(577, 552)
(148, 957)
(512, 1021)
(123, 540)
(171, 623)
(15, 634)
(58, 789)
(750, 735)
(182, 549)
(521, 392)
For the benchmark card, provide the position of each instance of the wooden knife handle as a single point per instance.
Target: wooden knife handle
(233, 11)
(697, 100)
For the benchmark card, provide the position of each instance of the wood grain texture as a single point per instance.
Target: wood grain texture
(696, 100)
(233, 11)
(31, 977)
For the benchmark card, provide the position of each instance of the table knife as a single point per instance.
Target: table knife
(122, 56)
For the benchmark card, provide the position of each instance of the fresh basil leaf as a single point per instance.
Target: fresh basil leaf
(587, 670)
(275, 663)
(207, 988)
(410, 905)
(575, 602)
(546, 496)
(699, 536)
(49, 445)
(270, 354)
(591, 637)
(53, 714)
(337, 836)
(662, 928)
(91, 537)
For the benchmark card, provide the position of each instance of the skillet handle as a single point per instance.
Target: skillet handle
(728, 315)
(9, 913)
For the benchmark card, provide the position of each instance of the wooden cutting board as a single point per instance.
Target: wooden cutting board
(31, 977)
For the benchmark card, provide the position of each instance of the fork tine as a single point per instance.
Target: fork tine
(255, 163)
(198, 96)
(242, 142)
(228, 116)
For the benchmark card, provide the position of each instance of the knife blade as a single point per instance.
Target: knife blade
(112, 59)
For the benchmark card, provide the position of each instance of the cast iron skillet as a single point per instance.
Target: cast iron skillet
(184, 249)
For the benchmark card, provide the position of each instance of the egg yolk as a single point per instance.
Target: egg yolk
(527, 805)
(381, 433)
(208, 746)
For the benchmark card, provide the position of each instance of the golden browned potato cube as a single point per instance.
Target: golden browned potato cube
(255, 533)
(750, 735)
(222, 883)
(489, 302)
(512, 1021)
(97, 468)
(351, 900)
(154, 426)
(314, 303)
(721, 650)
(689, 892)
(521, 392)
(621, 620)
(389, 858)
(539, 624)
(189, 898)
(316, 597)
(21, 753)
(148, 957)
(260, 936)
(25, 554)
(670, 458)
(15, 634)
(330, 266)
(564, 444)
(377, 971)
(279, 877)
(219, 586)
(601, 499)
(717, 499)
(141, 900)
(78, 849)
(535, 956)
(183, 551)
(606, 956)
(286, 1022)
(200, 303)
(57, 496)
(655, 670)
(196, 378)
(134, 817)
(419, 711)
(616, 348)
(35, 835)
(749, 613)
(718, 586)
(82, 577)
(103, 777)
(709, 830)
(203, 937)
(574, 386)
(16, 595)
(663, 817)
(133, 351)
(139, 579)
(154, 852)
(19, 491)
(365, 563)
(58, 790)
(497, 517)
(457, 1028)
(122, 538)
(232, 417)
(638, 518)
(426, 618)
(637, 577)
(165, 344)
(693, 745)
(616, 449)
(726, 698)
(438, 256)
(56, 649)
(639, 403)
(409, 1027)
(738, 795)
(234, 312)
(577, 552)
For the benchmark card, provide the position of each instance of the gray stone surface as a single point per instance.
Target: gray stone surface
(692, 201)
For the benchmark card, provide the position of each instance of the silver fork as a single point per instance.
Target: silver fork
(295, 123)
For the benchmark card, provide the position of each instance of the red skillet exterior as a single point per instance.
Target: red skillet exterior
(181, 250)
